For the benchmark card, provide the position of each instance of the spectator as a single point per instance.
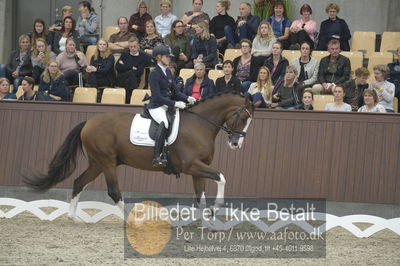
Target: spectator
(165, 20)
(307, 99)
(286, 94)
(280, 23)
(178, 81)
(219, 22)
(246, 26)
(245, 67)
(265, 38)
(178, 41)
(60, 37)
(5, 90)
(130, 67)
(40, 31)
(303, 30)
(66, 12)
(334, 68)
(41, 56)
(71, 62)
(138, 20)
(19, 63)
(260, 92)
(53, 83)
(228, 82)
(395, 75)
(354, 88)
(204, 48)
(151, 38)
(29, 94)
(338, 105)
(276, 63)
(199, 86)
(371, 103)
(88, 24)
(118, 42)
(383, 88)
(334, 28)
(306, 65)
(101, 68)
(192, 18)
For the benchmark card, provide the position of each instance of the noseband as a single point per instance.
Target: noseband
(229, 131)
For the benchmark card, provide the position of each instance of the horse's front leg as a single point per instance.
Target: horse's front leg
(200, 169)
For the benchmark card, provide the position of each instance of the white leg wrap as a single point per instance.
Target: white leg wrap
(121, 206)
(221, 189)
(74, 203)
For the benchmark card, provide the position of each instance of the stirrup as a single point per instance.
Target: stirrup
(159, 161)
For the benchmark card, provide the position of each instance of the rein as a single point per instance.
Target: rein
(229, 131)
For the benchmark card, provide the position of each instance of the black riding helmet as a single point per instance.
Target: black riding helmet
(162, 50)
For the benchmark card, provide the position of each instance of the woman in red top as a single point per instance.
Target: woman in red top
(199, 85)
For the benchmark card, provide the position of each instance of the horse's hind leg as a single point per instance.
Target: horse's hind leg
(112, 186)
(80, 184)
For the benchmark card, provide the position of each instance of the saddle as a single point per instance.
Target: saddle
(171, 114)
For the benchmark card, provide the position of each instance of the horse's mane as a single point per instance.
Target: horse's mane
(213, 96)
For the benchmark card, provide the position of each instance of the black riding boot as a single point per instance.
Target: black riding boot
(159, 153)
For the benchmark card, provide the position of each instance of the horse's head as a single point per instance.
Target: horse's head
(237, 124)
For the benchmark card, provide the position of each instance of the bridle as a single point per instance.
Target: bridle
(229, 131)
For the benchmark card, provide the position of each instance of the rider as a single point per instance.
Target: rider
(164, 95)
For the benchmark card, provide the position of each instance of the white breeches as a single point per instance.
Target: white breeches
(159, 115)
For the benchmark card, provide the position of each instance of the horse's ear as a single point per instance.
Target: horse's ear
(249, 103)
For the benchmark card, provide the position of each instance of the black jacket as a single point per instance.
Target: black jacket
(233, 84)
(342, 74)
(56, 87)
(280, 69)
(140, 62)
(163, 89)
(218, 24)
(255, 63)
(206, 88)
(14, 61)
(105, 68)
(334, 27)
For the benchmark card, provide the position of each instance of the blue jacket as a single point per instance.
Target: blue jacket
(163, 89)
(56, 87)
(252, 21)
(10, 96)
(206, 89)
(286, 23)
(211, 48)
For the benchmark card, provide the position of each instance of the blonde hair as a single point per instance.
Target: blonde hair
(47, 77)
(107, 52)
(206, 33)
(294, 70)
(384, 69)
(332, 6)
(66, 8)
(225, 3)
(270, 35)
(23, 36)
(6, 80)
(267, 88)
(154, 25)
(47, 51)
(166, 2)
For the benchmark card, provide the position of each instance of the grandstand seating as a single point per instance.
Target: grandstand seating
(390, 41)
(91, 49)
(113, 96)
(85, 95)
(321, 100)
(214, 74)
(231, 54)
(138, 95)
(186, 73)
(356, 60)
(319, 54)
(291, 54)
(110, 30)
(363, 41)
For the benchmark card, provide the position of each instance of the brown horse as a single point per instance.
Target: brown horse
(106, 140)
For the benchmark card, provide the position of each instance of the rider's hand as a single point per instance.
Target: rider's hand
(191, 100)
(180, 105)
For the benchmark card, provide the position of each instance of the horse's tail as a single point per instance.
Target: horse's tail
(63, 163)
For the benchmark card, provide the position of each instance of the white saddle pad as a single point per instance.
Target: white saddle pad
(140, 131)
